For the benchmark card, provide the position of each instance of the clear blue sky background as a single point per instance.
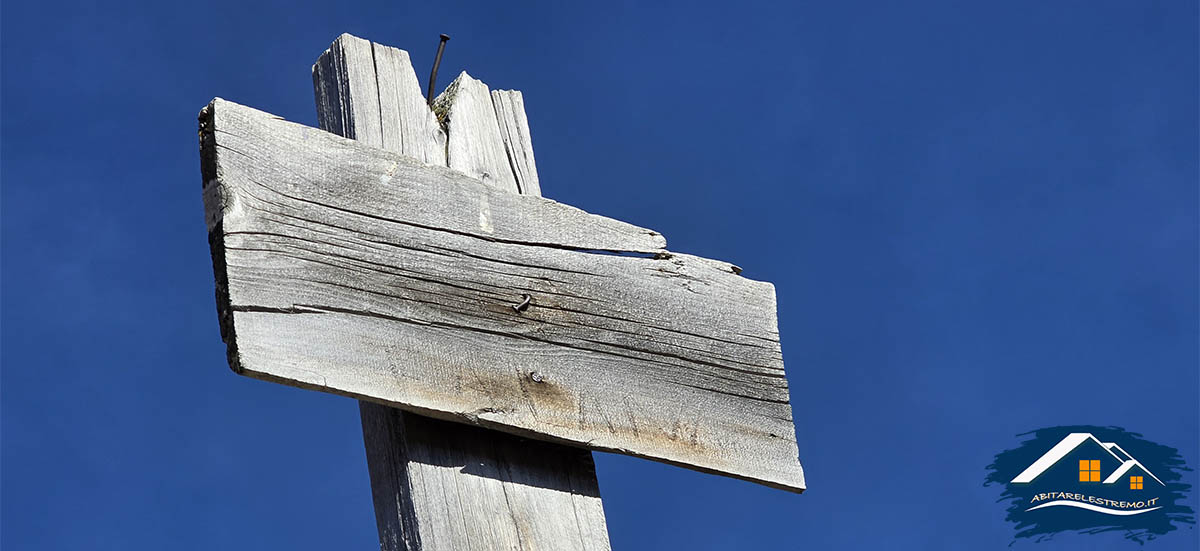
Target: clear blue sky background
(981, 219)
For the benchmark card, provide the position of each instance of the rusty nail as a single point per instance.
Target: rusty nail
(437, 61)
(524, 303)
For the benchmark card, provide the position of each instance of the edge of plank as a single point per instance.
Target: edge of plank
(216, 206)
(213, 205)
(797, 486)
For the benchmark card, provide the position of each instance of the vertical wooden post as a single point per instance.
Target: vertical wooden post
(439, 485)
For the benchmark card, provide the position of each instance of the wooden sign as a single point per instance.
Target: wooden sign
(354, 270)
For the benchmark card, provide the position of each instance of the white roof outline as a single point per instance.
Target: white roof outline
(1124, 468)
(1060, 450)
(1111, 445)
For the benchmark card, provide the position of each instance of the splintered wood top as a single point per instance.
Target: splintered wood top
(354, 270)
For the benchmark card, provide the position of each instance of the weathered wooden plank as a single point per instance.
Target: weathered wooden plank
(474, 145)
(333, 264)
(443, 485)
(449, 486)
(431, 197)
(333, 72)
(372, 95)
(514, 130)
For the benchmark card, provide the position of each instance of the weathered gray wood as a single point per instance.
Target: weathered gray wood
(366, 91)
(438, 484)
(335, 259)
(474, 145)
(514, 130)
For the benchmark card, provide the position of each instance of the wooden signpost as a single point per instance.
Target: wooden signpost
(404, 257)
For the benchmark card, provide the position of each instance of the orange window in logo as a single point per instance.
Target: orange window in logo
(1089, 470)
(1135, 483)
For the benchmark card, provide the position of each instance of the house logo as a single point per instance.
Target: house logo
(1091, 480)
(1096, 459)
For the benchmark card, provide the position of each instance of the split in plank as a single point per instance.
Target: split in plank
(354, 270)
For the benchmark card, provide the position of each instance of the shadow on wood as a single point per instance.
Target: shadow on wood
(457, 446)
(476, 485)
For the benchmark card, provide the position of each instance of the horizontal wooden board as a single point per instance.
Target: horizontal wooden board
(354, 270)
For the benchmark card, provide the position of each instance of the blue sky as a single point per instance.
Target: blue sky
(981, 219)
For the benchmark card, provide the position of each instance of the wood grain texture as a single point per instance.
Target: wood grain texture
(514, 131)
(474, 145)
(370, 93)
(333, 264)
(448, 486)
(442, 485)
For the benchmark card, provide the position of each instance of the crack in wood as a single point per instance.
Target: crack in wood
(331, 262)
